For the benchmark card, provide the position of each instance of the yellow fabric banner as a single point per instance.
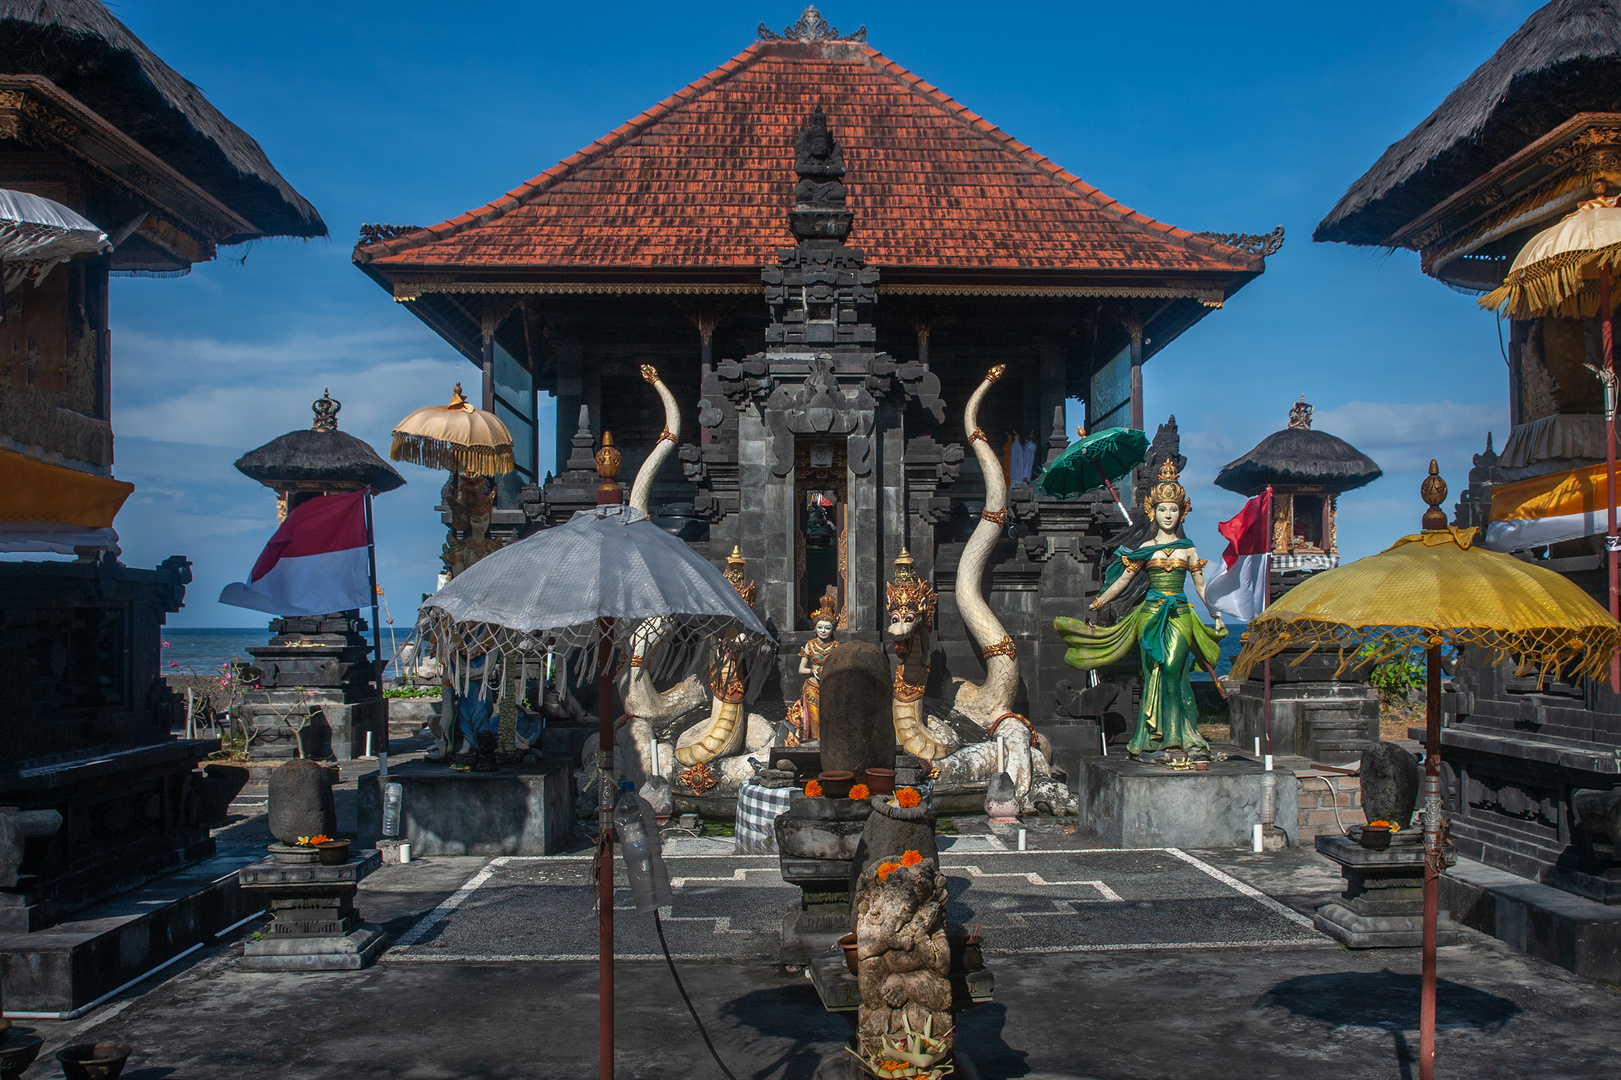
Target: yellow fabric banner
(32, 490)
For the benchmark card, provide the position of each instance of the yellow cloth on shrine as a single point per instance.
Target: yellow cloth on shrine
(32, 490)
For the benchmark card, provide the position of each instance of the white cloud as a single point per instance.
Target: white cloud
(1402, 428)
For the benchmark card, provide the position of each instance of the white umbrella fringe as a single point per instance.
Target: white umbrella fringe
(548, 593)
(36, 234)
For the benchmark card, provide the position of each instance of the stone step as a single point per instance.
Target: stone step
(57, 973)
(1539, 920)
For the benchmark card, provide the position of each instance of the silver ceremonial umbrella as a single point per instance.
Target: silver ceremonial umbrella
(568, 587)
(37, 233)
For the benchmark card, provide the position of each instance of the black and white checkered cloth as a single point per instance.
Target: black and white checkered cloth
(757, 811)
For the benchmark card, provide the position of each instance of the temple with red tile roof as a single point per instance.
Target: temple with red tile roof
(711, 237)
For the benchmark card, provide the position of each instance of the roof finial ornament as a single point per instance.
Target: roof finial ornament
(326, 411)
(811, 27)
(1300, 415)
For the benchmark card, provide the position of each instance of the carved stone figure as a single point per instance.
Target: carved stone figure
(904, 959)
(911, 604)
(820, 164)
(471, 501)
(1163, 625)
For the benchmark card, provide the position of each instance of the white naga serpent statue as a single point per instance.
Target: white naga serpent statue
(988, 704)
(726, 731)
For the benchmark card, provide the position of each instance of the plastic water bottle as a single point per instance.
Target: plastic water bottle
(393, 795)
(638, 832)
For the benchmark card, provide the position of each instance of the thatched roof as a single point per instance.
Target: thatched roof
(82, 48)
(318, 457)
(1564, 60)
(1299, 456)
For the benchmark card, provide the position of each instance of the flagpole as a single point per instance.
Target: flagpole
(381, 716)
(1612, 544)
(1269, 779)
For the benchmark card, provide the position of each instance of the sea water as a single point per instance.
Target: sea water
(205, 650)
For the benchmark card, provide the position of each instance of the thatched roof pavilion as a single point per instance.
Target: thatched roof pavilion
(319, 460)
(1307, 471)
(1297, 456)
(1564, 60)
(80, 47)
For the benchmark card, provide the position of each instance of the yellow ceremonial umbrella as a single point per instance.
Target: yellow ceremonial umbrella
(1555, 274)
(1432, 590)
(456, 436)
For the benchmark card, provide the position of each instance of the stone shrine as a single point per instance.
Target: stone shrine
(1522, 140)
(313, 688)
(1318, 712)
(901, 247)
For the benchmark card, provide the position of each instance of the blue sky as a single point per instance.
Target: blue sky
(1212, 117)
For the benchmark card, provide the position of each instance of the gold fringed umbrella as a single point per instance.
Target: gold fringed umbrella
(456, 437)
(1432, 590)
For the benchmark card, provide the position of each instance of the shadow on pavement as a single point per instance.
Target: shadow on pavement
(979, 1033)
(1389, 1000)
(790, 1012)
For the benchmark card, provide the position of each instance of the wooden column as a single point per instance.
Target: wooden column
(1137, 377)
(488, 356)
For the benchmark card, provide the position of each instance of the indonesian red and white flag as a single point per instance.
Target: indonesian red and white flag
(315, 564)
(1238, 589)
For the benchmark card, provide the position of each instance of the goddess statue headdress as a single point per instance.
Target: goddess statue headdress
(826, 610)
(1167, 490)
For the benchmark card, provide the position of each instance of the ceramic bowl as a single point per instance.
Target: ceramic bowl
(93, 1061)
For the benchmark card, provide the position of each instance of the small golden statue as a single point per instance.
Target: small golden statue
(806, 717)
(471, 501)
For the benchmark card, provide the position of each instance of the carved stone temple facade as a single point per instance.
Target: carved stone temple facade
(822, 258)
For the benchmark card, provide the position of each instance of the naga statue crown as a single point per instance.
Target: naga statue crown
(1167, 490)
(908, 592)
(734, 574)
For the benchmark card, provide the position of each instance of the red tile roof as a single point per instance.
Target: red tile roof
(704, 180)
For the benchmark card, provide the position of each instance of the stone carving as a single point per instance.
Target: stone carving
(820, 164)
(904, 959)
(806, 714)
(1262, 244)
(810, 27)
(911, 605)
(1300, 415)
(377, 234)
(821, 407)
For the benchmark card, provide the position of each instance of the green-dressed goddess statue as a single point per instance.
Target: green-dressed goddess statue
(1164, 625)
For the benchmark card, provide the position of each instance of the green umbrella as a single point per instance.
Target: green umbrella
(1096, 461)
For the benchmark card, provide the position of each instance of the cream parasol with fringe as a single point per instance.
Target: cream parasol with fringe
(456, 436)
(1556, 273)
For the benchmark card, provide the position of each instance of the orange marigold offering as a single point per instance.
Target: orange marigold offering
(911, 858)
(859, 791)
(908, 797)
(887, 868)
(1382, 824)
(813, 789)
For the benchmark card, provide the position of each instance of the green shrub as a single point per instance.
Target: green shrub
(412, 692)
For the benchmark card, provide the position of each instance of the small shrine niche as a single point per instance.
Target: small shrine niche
(1307, 471)
(822, 558)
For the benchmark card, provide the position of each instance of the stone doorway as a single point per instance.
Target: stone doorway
(821, 529)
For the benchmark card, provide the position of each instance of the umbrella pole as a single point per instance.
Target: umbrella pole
(1432, 858)
(1612, 545)
(1115, 495)
(605, 864)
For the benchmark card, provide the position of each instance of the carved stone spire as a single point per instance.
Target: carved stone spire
(582, 458)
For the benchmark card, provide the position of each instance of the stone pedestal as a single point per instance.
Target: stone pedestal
(1129, 804)
(1383, 902)
(817, 840)
(315, 926)
(1313, 714)
(315, 673)
(518, 810)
